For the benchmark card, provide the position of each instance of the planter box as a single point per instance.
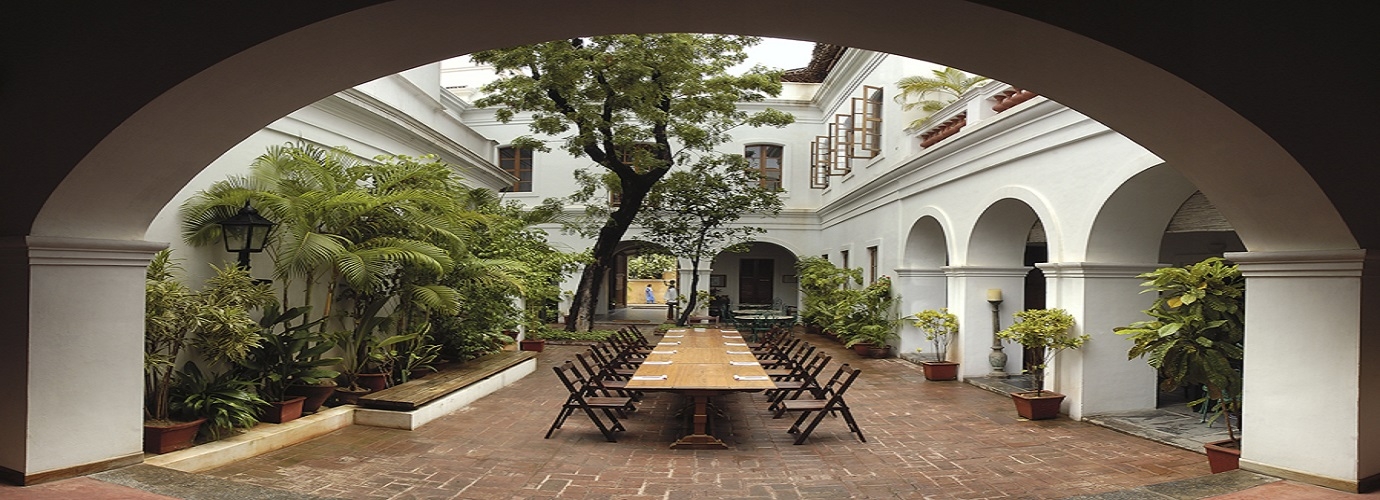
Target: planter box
(532, 345)
(939, 370)
(1043, 407)
(284, 411)
(172, 437)
(1223, 455)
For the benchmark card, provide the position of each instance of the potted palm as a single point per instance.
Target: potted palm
(1194, 338)
(223, 400)
(938, 325)
(1046, 330)
(214, 322)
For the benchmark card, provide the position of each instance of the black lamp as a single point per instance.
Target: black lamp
(246, 232)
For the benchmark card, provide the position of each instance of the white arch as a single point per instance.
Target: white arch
(1241, 169)
(1131, 222)
(928, 242)
(997, 237)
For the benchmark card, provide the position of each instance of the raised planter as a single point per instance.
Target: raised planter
(532, 345)
(1042, 407)
(170, 437)
(1223, 455)
(939, 370)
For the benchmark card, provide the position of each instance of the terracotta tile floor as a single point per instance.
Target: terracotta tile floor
(925, 440)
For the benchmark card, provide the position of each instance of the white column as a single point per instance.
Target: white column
(1311, 402)
(968, 286)
(73, 361)
(919, 289)
(1098, 378)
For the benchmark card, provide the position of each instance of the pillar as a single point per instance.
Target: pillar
(968, 286)
(72, 401)
(1098, 378)
(1311, 400)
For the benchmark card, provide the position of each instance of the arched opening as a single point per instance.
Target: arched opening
(762, 276)
(225, 101)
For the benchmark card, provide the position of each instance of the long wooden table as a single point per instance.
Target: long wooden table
(703, 363)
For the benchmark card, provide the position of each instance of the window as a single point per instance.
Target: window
(867, 117)
(518, 162)
(821, 159)
(844, 254)
(766, 160)
(871, 265)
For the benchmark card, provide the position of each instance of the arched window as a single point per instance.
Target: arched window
(517, 161)
(766, 160)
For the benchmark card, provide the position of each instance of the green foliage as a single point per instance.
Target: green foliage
(589, 336)
(225, 401)
(1046, 330)
(288, 354)
(934, 92)
(938, 325)
(216, 322)
(1196, 329)
(636, 105)
(691, 211)
(823, 285)
(651, 265)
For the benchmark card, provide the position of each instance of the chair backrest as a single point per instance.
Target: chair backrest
(570, 377)
(812, 369)
(838, 384)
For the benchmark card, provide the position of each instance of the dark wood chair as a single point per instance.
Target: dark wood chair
(579, 400)
(603, 380)
(803, 378)
(832, 402)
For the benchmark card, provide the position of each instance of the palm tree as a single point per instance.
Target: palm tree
(933, 93)
(344, 221)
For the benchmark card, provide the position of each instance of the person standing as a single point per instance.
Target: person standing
(651, 296)
(672, 300)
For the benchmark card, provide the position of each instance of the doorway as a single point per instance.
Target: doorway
(755, 281)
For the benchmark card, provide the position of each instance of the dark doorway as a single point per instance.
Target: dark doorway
(1035, 253)
(755, 281)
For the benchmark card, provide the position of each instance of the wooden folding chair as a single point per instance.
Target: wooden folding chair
(603, 379)
(804, 378)
(580, 400)
(832, 402)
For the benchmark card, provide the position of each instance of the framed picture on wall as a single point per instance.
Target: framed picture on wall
(718, 280)
(788, 278)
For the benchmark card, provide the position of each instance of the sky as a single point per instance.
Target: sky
(777, 53)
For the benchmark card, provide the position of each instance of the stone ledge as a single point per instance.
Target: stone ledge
(261, 439)
(410, 420)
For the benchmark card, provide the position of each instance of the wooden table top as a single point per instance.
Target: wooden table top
(701, 359)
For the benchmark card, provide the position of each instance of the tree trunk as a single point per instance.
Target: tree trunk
(584, 305)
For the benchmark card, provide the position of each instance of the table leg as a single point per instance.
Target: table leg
(699, 436)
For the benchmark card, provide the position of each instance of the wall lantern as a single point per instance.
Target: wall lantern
(246, 232)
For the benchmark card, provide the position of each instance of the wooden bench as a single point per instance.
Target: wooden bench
(413, 394)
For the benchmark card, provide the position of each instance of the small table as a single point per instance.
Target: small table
(763, 321)
(703, 362)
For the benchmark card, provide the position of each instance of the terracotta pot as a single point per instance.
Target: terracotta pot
(372, 381)
(345, 396)
(862, 347)
(1223, 455)
(532, 345)
(316, 395)
(1043, 407)
(170, 437)
(939, 370)
(284, 411)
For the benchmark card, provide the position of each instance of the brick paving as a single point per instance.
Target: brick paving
(933, 440)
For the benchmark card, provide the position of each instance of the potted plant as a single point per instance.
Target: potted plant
(532, 340)
(1046, 330)
(822, 285)
(869, 317)
(288, 355)
(215, 322)
(1194, 338)
(224, 401)
(938, 325)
